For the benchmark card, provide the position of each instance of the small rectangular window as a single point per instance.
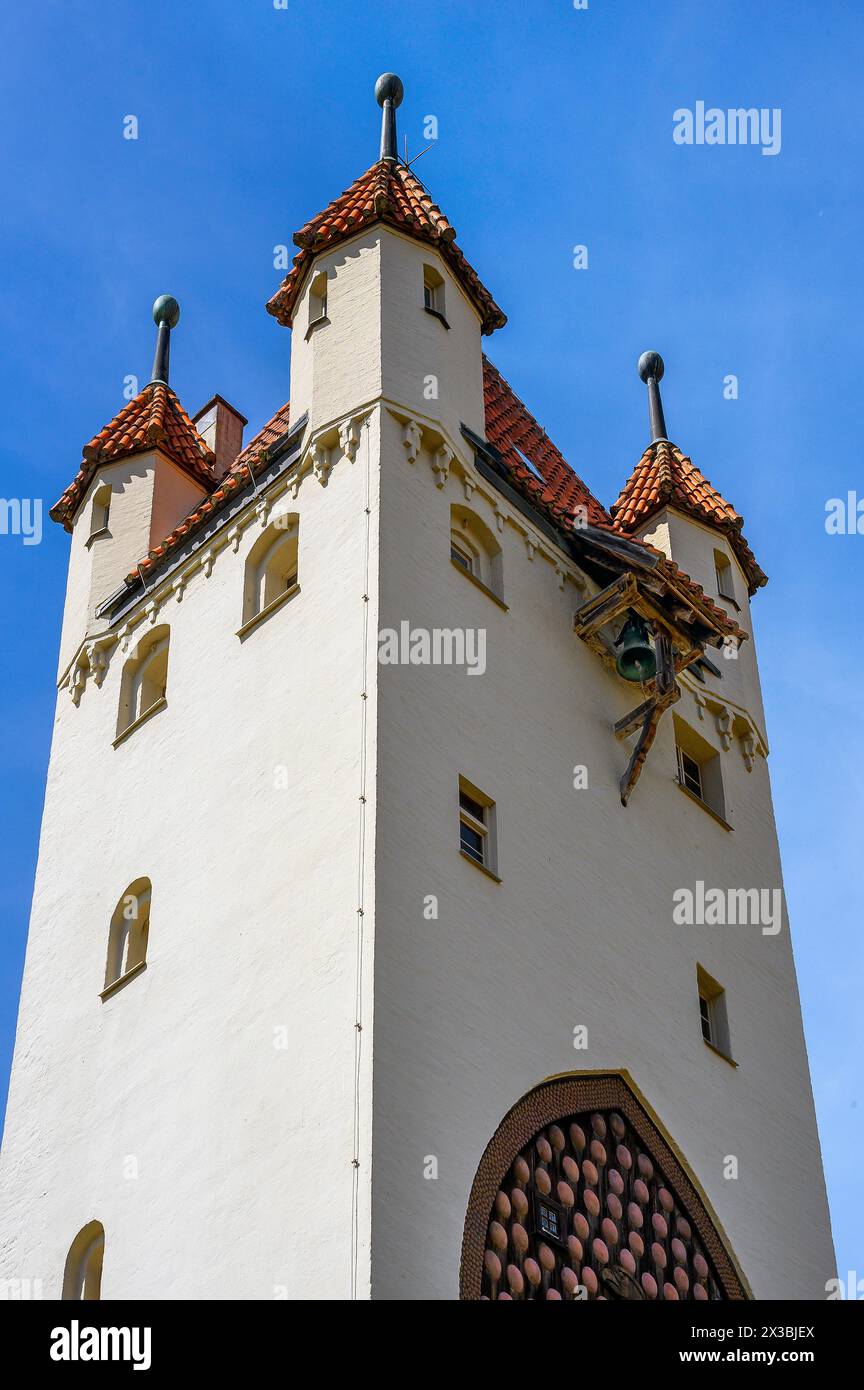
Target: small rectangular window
(477, 826)
(433, 290)
(712, 1012)
(690, 773)
(549, 1220)
(705, 1015)
(699, 769)
(473, 841)
(472, 829)
(461, 557)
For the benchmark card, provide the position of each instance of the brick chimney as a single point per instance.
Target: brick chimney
(221, 427)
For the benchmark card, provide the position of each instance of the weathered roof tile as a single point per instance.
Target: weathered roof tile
(154, 419)
(387, 192)
(665, 477)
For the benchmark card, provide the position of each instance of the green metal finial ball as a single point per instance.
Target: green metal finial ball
(651, 364)
(389, 87)
(166, 310)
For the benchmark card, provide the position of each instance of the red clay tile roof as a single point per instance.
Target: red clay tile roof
(666, 477)
(387, 192)
(252, 457)
(154, 419)
(273, 430)
(510, 426)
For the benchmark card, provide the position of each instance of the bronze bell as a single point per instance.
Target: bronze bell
(637, 660)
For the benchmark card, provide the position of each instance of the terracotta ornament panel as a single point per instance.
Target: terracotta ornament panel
(580, 1198)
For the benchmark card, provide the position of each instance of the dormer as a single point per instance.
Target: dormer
(383, 303)
(139, 476)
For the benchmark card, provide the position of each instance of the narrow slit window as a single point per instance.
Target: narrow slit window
(318, 299)
(723, 573)
(713, 1015)
(705, 1015)
(473, 829)
(100, 511)
(433, 290)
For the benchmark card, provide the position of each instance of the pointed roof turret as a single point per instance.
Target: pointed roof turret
(665, 477)
(154, 419)
(390, 192)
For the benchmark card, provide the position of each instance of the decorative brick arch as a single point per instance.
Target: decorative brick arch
(578, 1186)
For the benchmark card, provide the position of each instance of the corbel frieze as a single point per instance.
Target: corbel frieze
(731, 723)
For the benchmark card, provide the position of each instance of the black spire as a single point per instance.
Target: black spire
(166, 312)
(388, 94)
(651, 371)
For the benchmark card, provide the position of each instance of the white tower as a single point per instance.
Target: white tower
(349, 973)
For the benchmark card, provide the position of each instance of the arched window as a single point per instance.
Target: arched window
(82, 1277)
(128, 935)
(100, 511)
(145, 680)
(271, 569)
(433, 292)
(474, 550)
(318, 301)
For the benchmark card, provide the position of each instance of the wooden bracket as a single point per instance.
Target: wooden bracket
(602, 608)
(650, 712)
(619, 597)
(675, 651)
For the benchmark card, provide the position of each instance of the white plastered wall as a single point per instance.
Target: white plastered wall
(386, 344)
(245, 1178)
(478, 1006)
(149, 496)
(224, 1075)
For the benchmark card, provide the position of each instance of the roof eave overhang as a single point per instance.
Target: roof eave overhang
(283, 303)
(755, 576)
(65, 515)
(600, 553)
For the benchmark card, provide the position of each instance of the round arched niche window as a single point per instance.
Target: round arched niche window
(580, 1197)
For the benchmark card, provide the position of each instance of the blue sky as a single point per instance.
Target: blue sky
(555, 129)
